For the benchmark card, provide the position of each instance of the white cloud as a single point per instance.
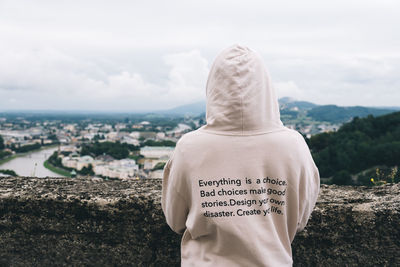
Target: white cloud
(288, 88)
(345, 80)
(187, 76)
(130, 55)
(66, 81)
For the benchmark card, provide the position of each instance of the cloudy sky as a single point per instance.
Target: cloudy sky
(146, 55)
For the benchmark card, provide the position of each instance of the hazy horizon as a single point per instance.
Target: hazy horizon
(126, 56)
(77, 111)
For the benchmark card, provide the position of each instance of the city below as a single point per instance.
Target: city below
(127, 146)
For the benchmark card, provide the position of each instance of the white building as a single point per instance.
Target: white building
(121, 169)
(160, 135)
(47, 141)
(77, 162)
(119, 126)
(93, 128)
(156, 151)
(129, 140)
(69, 162)
(135, 135)
(111, 136)
(150, 163)
(70, 127)
(68, 148)
(89, 136)
(180, 129)
(84, 161)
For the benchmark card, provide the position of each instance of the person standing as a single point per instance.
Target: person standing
(240, 187)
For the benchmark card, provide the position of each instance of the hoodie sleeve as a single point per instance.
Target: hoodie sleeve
(309, 189)
(174, 204)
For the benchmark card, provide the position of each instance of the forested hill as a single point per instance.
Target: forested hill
(335, 114)
(360, 150)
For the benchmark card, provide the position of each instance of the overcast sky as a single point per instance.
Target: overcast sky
(144, 55)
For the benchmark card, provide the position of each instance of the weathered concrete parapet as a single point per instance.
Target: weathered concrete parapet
(352, 226)
(85, 222)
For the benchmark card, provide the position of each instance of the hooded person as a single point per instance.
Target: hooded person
(240, 187)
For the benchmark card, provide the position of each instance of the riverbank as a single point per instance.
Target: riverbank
(5, 160)
(30, 163)
(55, 169)
(8, 172)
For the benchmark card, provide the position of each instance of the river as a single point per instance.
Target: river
(25, 165)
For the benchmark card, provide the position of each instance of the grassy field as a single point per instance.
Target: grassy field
(52, 168)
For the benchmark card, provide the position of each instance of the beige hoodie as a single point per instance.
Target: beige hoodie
(241, 186)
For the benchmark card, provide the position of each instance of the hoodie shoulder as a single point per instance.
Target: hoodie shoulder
(188, 139)
(291, 142)
(295, 134)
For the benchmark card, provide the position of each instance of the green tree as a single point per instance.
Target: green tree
(87, 170)
(159, 143)
(4, 154)
(358, 145)
(342, 178)
(319, 141)
(117, 150)
(397, 176)
(52, 137)
(1, 142)
(9, 172)
(27, 148)
(159, 166)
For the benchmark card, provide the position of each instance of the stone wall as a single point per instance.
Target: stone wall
(89, 222)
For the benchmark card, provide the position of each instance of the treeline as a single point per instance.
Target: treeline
(117, 150)
(8, 172)
(166, 121)
(1, 142)
(335, 114)
(358, 145)
(26, 148)
(159, 143)
(20, 149)
(3, 154)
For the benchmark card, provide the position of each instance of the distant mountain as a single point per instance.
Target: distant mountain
(329, 113)
(388, 107)
(290, 103)
(188, 109)
(336, 114)
(198, 108)
(293, 108)
(286, 99)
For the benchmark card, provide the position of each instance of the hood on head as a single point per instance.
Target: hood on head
(240, 96)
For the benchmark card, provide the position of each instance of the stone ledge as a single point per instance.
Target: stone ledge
(87, 222)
